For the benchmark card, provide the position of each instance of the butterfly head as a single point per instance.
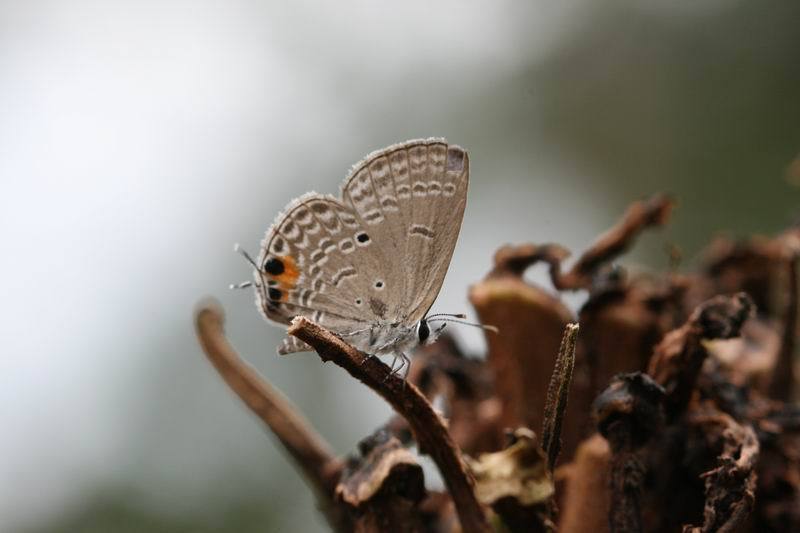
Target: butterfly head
(424, 332)
(427, 335)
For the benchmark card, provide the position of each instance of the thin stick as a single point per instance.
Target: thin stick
(557, 394)
(306, 447)
(430, 432)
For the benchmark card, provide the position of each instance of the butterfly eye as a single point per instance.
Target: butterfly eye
(423, 331)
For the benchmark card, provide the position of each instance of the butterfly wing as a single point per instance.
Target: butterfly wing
(379, 254)
(412, 197)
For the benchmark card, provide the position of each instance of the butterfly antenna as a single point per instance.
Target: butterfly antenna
(451, 315)
(239, 250)
(242, 285)
(465, 323)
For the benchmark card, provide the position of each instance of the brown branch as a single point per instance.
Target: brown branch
(557, 394)
(614, 242)
(640, 215)
(586, 488)
(679, 357)
(524, 312)
(628, 415)
(307, 448)
(430, 432)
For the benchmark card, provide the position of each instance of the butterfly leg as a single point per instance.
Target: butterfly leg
(392, 369)
(407, 365)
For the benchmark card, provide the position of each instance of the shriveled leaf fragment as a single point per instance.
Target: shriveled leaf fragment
(520, 471)
(387, 468)
(678, 358)
(730, 486)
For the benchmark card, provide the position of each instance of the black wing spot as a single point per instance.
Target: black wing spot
(358, 301)
(274, 266)
(362, 237)
(379, 284)
(274, 294)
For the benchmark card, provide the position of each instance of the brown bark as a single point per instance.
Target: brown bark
(429, 430)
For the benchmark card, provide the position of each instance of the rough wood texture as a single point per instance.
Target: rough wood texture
(429, 430)
(707, 441)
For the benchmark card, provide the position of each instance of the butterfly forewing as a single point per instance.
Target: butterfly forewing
(379, 254)
(439, 191)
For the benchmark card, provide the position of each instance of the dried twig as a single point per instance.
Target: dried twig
(557, 393)
(586, 496)
(640, 215)
(524, 312)
(628, 414)
(677, 360)
(309, 450)
(429, 430)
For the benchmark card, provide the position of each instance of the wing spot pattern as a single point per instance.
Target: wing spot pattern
(347, 246)
(342, 274)
(378, 307)
(455, 160)
(373, 217)
(389, 204)
(421, 231)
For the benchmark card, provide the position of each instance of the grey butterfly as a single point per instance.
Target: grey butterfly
(368, 265)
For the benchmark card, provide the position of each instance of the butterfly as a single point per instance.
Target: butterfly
(369, 264)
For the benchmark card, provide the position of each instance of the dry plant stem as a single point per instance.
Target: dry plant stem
(678, 359)
(628, 414)
(639, 216)
(429, 430)
(586, 499)
(308, 449)
(525, 312)
(557, 394)
(783, 376)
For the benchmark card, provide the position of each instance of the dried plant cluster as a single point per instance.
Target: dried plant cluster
(671, 409)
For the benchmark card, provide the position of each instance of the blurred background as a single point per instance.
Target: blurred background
(140, 140)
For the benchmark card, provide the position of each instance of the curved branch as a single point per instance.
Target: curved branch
(306, 447)
(639, 216)
(430, 432)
